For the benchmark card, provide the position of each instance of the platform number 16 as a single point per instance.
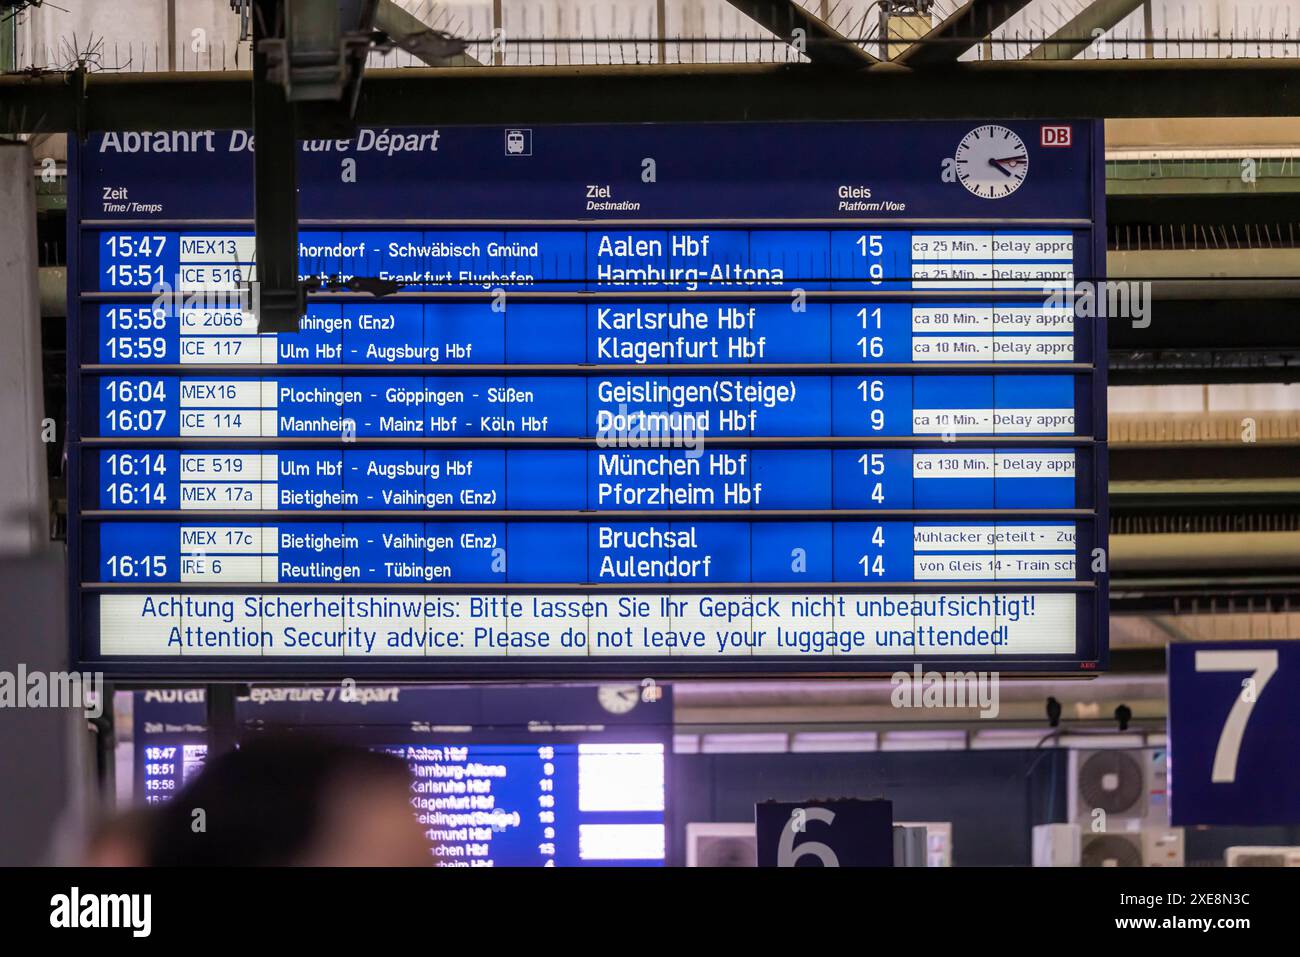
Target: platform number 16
(874, 391)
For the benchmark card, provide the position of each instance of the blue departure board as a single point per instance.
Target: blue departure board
(638, 399)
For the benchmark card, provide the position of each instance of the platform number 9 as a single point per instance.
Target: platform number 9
(874, 391)
(873, 248)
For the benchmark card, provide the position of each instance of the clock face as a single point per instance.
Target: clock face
(992, 161)
(618, 699)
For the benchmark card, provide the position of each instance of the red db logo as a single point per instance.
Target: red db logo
(1056, 136)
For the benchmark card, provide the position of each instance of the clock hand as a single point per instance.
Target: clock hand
(997, 163)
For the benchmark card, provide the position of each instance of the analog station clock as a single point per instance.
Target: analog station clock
(618, 699)
(991, 161)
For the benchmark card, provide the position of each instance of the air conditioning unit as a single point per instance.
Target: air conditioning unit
(1129, 785)
(1262, 857)
(1149, 847)
(1110, 850)
(1056, 845)
(1163, 847)
(721, 845)
(938, 840)
(910, 845)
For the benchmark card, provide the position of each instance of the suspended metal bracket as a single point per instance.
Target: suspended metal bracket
(278, 298)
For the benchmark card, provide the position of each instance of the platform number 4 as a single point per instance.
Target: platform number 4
(1262, 665)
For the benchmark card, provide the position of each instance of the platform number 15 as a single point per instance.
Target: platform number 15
(873, 248)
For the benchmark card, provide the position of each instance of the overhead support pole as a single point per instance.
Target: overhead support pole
(968, 24)
(807, 32)
(278, 299)
(223, 726)
(1077, 35)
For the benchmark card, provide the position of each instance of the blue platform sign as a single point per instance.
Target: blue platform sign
(1234, 733)
(653, 398)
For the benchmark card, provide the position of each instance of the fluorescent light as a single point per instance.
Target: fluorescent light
(923, 741)
(835, 741)
(754, 743)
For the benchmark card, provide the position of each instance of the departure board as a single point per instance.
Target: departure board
(555, 776)
(593, 400)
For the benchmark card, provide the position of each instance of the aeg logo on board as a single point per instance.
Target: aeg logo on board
(1055, 136)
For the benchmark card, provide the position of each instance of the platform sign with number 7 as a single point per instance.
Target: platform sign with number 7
(1234, 733)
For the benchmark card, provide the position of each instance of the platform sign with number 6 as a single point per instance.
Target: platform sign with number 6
(1234, 733)
(842, 832)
